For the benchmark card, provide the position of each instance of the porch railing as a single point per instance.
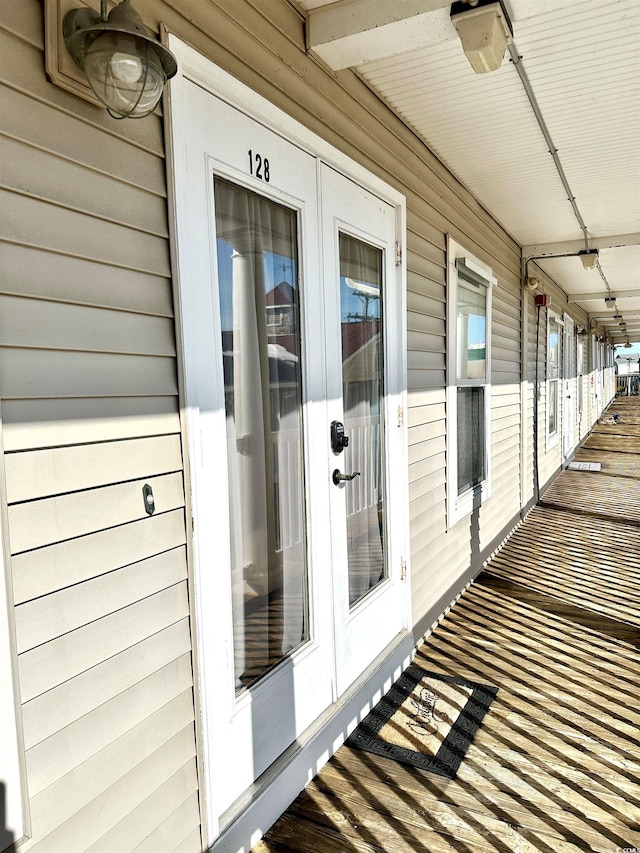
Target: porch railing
(627, 384)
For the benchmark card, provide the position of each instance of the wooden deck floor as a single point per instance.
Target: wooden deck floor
(554, 622)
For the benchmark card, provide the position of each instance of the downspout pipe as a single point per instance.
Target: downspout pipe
(536, 391)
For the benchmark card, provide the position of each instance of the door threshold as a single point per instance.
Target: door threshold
(249, 818)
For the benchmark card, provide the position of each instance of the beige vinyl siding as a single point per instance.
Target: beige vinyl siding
(89, 409)
(550, 458)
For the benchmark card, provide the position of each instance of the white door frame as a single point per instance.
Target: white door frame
(193, 274)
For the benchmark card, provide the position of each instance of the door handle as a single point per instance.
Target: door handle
(338, 477)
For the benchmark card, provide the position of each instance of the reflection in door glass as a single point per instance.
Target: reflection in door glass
(363, 396)
(259, 309)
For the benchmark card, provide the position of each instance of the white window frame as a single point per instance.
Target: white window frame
(553, 438)
(459, 506)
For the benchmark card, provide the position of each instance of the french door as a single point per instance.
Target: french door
(290, 306)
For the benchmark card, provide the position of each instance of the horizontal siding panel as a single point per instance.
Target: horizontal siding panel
(50, 520)
(425, 432)
(61, 706)
(427, 243)
(435, 396)
(505, 455)
(429, 271)
(51, 616)
(44, 126)
(28, 373)
(505, 422)
(507, 354)
(57, 325)
(119, 800)
(425, 360)
(434, 476)
(418, 453)
(422, 342)
(425, 379)
(22, 70)
(33, 272)
(501, 369)
(143, 819)
(32, 424)
(508, 392)
(503, 311)
(172, 830)
(53, 758)
(430, 500)
(49, 665)
(72, 233)
(44, 570)
(430, 529)
(425, 466)
(421, 303)
(22, 18)
(505, 331)
(419, 415)
(40, 174)
(508, 345)
(428, 325)
(41, 473)
(191, 844)
(77, 789)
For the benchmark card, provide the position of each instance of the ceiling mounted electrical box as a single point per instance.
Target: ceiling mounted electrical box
(484, 30)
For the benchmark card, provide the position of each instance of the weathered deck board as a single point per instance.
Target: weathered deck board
(618, 443)
(595, 494)
(622, 427)
(554, 622)
(615, 464)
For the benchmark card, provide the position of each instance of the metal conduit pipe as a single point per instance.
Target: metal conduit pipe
(517, 61)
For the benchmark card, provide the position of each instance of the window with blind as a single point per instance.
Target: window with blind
(469, 384)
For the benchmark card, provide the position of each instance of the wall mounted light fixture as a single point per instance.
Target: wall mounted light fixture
(126, 66)
(485, 30)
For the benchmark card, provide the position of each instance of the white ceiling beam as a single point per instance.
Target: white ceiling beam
(352, 32)
(604, 294)
(626, 315)
(543, 250)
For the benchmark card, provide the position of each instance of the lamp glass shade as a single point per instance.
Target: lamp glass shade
(125, 74)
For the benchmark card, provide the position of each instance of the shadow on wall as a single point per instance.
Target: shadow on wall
(6, 836)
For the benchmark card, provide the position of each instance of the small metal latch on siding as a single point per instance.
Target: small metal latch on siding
(149, 500)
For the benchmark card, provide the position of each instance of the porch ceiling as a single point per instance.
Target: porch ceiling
(582, 58)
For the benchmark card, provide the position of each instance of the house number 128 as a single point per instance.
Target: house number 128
(258, 166)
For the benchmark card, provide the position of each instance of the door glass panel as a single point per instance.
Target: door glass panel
(259, 307)
(363, 395)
